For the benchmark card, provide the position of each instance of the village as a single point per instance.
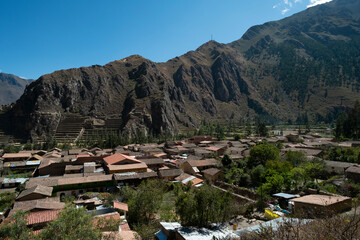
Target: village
(42, 182)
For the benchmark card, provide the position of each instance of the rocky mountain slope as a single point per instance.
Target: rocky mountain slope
(11, 87)
(308, 64)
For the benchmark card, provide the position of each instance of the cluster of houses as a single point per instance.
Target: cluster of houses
(56, 174)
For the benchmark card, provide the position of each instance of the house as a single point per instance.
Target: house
(217, 150)
(119, 159)
(321, 205)
(170, 174)
(337, 167)
(13, 157)
(194, 166)
(198, 139)
(123, 207)
(353, 173)
(213, 174)
(133, 178)
(38, 205)
(153, 163)
(72, 186)
(203, 153)
(120, 163)
(35, 192)
(39, 220)
(13, 182)
(174, 230)
(136, 167)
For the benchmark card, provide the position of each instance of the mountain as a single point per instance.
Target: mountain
(12, 87)
(304, 65)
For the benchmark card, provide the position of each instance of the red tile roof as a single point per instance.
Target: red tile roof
(121, 206)
(42, 216)
(118, 157)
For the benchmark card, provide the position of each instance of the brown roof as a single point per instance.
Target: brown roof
(353, 169)
(39, 189)
(321, 200)
(127, 166)
(212, 148)
(73, 167)
(42, 216)
(202, 163)
(121, 206)
(182, 177)
(170, 172)
(88, 179)
(153, 161)
(44, 181)
(121, 177)
(118, 157)
(16, 155)
(46, 203)
(196, 181)
(211, 171)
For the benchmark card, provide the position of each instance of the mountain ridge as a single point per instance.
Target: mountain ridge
(280, 70)
(11, 87)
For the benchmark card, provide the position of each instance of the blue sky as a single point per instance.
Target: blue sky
(41, 36)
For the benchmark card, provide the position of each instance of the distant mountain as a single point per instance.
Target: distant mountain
(304, 65)
(11, 87)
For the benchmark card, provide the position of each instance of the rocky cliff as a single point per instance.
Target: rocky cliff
(304, 64)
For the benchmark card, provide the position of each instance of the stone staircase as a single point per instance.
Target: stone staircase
(111, 126)
(69, 128)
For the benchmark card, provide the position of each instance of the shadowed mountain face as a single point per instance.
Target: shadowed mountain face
(11, 88)
(308, 63)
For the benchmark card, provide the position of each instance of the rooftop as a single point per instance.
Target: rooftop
(321, 200)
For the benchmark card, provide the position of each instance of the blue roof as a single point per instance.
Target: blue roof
(284, 195)
(161, 236)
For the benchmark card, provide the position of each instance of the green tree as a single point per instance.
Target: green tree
(203, 206)
(15, 228)
(295, 157)
(298, 176)
(261, 153)
(238, 177)
(256, 174)
(144, 202)
(261, 129)
(72, 223)
(226, 160)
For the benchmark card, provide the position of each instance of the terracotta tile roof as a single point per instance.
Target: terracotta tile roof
(212, 149)
(42, 216)
(118, 157)
(39, 189)
(121, 206)
(196, 181)
(211, 171)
